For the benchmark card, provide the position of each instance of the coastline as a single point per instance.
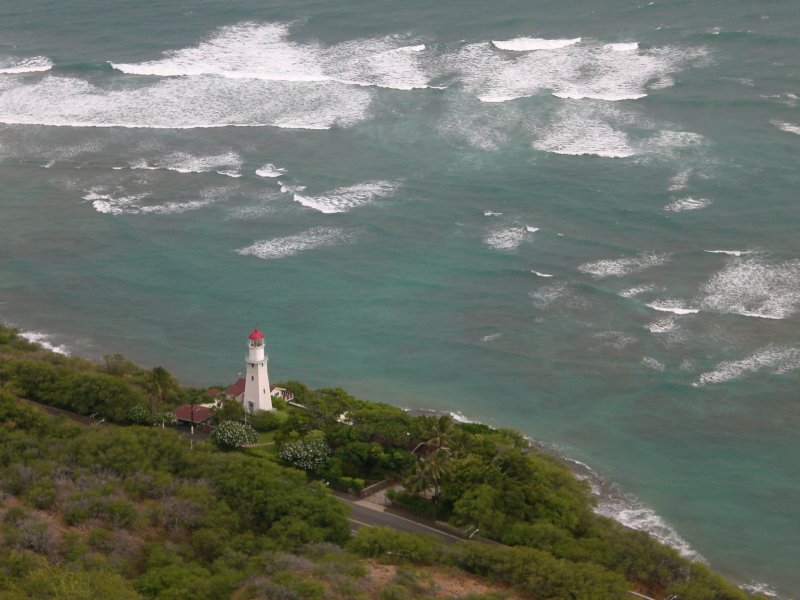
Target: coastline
(612, 502)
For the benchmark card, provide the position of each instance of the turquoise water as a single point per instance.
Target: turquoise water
(510, 211)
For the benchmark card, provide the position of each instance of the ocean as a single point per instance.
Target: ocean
(577, 219)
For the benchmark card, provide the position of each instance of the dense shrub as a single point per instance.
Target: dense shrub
(232, 434)
(382, 541)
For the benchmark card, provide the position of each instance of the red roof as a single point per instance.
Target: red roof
(213, 392)
(198, 415)
(236, 389)
(256, 335)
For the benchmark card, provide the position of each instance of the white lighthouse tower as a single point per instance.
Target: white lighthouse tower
(256, 388)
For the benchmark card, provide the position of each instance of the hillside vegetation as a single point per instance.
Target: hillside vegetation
(117, 510)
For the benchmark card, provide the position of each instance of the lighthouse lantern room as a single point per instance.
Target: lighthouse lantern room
(256, 388)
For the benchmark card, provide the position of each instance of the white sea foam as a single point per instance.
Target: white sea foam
(754, 287)
(117, 202)
(656, 365)
(345, 198)
(45, 341)
(270, 170)
(585, 70)
(290, 245)
(183, 103)
(227, 163)
(629, 511)
(680, 180)
(527, 44)
(635, 291)
(787, 127)
(619, 267)
(615, 339)
(531, 229)
(36, 64)
(287, 188)
(682, 204)
(622, 46)
(263, 51)
(505, 238)
(729, 252)
(676, 307)
(540, 274)
(489, 213)
(490, 337)
(663, 325)
(759, 588)
(777, 360)
(591, 137)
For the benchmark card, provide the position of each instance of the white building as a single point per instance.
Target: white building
(256, 381)
(253, 390)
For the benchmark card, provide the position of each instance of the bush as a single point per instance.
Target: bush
(232, 434)
(382, 541)
(266, 421)
(308, 454)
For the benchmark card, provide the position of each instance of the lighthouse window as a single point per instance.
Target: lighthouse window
(252, 378)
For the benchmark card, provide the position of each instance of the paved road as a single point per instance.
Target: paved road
(366, 515)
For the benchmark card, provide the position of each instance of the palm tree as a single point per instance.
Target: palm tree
(427, 474)
(440, 431)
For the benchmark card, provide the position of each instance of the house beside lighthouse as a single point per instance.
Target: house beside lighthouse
(253, 390)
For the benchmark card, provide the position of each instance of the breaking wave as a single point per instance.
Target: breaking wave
(755, 288)
(525, 44)
(682, 204)
(118, 203)
(787, 127)
(184, 103)
(228, 163)
(345, 198)
(36, 64)
(270, 170)
(619, 267)
(773, 359)
(44, 340)
(290, 245)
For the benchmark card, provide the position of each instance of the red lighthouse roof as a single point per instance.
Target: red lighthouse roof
(256, 335)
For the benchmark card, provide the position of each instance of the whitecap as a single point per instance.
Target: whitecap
(490, 337)
(184, 103)
(787, 127)
(656, 365)
(489, 213)
(36, 64)
(227, 163)
(263, 51)
(527, 44)
(505, 238)
(290, 245)
(729, 252)
(683, 204)
(680, 180)
(664, 325)
(345, 198)
(270, 170)
(531, 229)
(540, 274)
(755, 287)
(579, 130)
(777, 360)
(619, 267)
(117, 202)
(622, 46)
(676, 307)
(44, 340)
(635, 291)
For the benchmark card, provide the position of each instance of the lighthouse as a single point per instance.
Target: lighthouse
(257, 396)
